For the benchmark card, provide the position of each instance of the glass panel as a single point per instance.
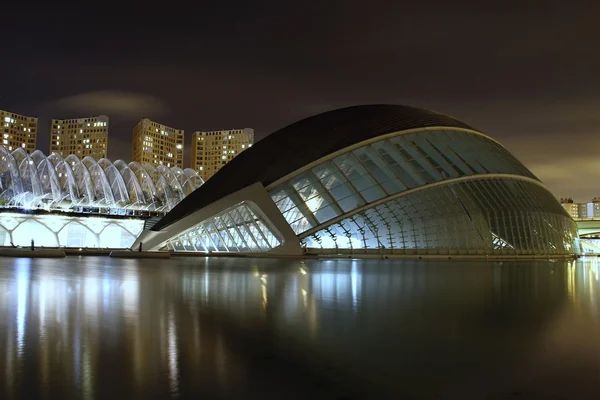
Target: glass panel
(235, 229)
(486, 216)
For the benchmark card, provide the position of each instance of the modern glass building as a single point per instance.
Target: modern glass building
(77, 202)
(376, 179)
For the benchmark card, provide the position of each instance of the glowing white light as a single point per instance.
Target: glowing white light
(314, 203)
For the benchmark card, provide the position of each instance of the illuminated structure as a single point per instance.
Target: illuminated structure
(45, 197)
(157, 144)
(212, 150)
(80, 136)
(589, 210)
(18, 131)
(379, 179)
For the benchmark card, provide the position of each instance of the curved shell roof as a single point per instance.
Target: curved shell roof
(33, 180)
(303, 142)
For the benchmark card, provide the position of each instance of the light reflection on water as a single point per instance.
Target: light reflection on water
(230, 328)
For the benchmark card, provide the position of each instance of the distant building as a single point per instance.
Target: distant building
(213, 149)
(157, 144)
(572, 208)
(18, 131)
(582, 210)
(85, 136)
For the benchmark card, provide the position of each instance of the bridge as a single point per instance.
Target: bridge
(589, 232)
(588, 227)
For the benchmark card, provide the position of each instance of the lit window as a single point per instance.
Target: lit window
(179, 146)
(224, 157)
(243, 146)
(5, 141)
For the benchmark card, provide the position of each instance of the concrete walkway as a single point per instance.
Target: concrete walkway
(139, 254)
(27, 252)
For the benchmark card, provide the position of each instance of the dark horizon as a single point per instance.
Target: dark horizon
(524, 74)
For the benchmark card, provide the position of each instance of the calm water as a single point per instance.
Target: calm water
(101, 328)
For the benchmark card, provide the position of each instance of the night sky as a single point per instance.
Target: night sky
(526, 73)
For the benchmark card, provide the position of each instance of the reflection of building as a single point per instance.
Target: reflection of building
(157, 144)
(380, 179)
(81, 136)
(211, 150)
(18, 131)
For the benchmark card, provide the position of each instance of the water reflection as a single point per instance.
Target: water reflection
(229, 328)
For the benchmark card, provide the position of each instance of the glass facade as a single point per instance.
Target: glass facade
(237, 229)
(479, 216)
(387, 167)
(66, 231)
(436, 191)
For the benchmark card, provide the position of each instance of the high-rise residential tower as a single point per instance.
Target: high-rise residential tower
(211, 150)
(18, 131)
(157, 144)
(86, 136)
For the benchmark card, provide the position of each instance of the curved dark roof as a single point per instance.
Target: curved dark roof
(303, 142)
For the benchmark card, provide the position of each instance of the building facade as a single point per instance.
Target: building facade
(18, 131)
(86, 136)
(384, 180)
(211, 150)
(157, 144)
(582, 210)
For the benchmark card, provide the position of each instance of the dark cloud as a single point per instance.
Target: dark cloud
(523, 72)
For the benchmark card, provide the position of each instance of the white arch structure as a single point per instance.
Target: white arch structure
(35, 181)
